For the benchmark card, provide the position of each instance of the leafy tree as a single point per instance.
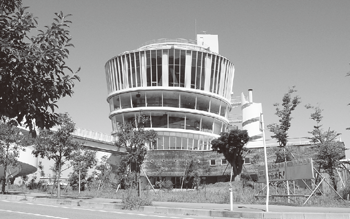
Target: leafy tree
(329, 150)
(280, 131)
(82, 160)
(192, 176)
(231, 144)
(33, 67)
(58, 145)
(134, 138)
(11, 140)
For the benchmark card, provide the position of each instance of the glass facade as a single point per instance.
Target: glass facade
(171, 68)
(183, 88)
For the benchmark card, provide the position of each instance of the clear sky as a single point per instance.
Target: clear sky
(274, 45)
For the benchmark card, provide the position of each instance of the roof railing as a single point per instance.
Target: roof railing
(166, 40)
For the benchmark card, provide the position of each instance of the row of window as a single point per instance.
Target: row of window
(170, 68)
(181, 141)
(172, 120)
(168, 99)
(213, 162)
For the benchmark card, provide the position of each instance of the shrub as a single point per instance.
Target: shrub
(345, 193)
(131, 200)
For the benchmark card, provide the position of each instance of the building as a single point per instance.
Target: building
(184, 87)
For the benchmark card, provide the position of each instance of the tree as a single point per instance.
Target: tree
(191, 176)
(105, 170)
(33, 67)
(280, 131)
(231, 144)
(82, 160)
(58, 145)
(10, 147)
(134, 138)
(329, 150)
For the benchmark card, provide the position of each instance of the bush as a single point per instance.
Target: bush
(345, 193)
(131, 200)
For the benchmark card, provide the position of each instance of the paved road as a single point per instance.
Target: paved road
(28, 210)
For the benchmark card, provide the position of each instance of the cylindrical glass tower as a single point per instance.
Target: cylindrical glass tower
(183, 88)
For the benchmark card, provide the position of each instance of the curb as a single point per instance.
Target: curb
(184, 211)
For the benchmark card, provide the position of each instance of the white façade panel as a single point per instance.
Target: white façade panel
(207, 72)
(222, 77)
(118, 72)
(165, 68)
(143, 69)
(114, 88)
(188, 69)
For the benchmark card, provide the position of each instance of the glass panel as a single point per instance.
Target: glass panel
(159, 68)
(193, 69)
(159, 120)
(154, 98)
(223, 109)
(190, 142)
(138, 99)
(212, 73)
(217, 127)
(116, 103)
(178, 142)
(125, 101)
(132, 55)
(148, 68)
(192, 122)
(202, 103)
(200, 144)
(129, 118)
(172, 141)
(188, 101)
(224, 126)
(111, 107)
(195, 142)
(160, 141)
(215, 106)
(166, 141)
(203, 72)
(182, 68)
(207, 124)
(171, 99)
(176, 121)
(184, 143)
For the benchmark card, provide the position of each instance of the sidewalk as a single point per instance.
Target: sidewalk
(200, 209)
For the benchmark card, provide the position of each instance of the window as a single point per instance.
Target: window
(247, 160)
(223, 162)
(212, 162)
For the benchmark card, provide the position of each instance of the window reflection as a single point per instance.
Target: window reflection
(188, 101)
(215, 106)
(193, 122)
(203, 103)
(138, 99)
(176, 121)
(171, 99)
(159, 120)
(125, 101)
(217, 127)
(154, 98)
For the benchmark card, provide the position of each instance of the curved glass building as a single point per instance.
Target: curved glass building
(184, 88)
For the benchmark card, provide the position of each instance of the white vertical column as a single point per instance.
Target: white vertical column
(143, 69)
(188, 70)
(222, 78)
(165, 69)
(207, 67)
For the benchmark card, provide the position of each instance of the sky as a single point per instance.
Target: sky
(273, 45)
